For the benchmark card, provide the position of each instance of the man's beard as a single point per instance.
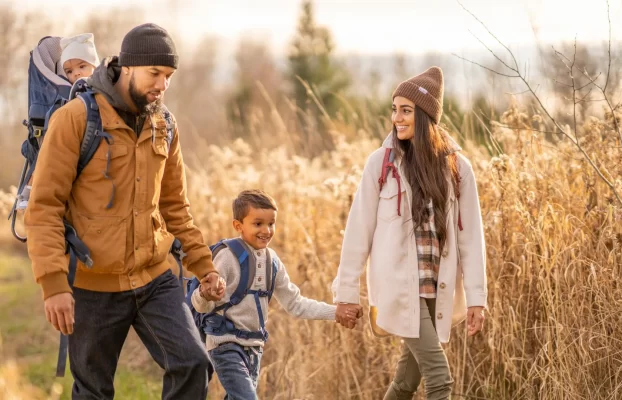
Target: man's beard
(145, 108)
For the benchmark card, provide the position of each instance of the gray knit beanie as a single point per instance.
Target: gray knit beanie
(146, 45)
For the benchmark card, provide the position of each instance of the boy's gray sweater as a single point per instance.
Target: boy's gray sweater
(244, 315)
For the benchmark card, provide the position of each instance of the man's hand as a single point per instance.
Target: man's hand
(347, 314)
(59, 311)
(475, 320)
(212, 287)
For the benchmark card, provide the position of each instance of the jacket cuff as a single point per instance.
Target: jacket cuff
(202, 267)
(347, 295)
(54, 283)
(477, 300)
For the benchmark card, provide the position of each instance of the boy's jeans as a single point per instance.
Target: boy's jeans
(162, 321)
(237, 368)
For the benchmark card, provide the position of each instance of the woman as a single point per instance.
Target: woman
(416, 214)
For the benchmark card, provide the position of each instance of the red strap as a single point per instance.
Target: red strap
(396, 175)
(388, 166)
(384, 171)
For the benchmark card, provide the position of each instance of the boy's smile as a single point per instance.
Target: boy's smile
(257, 228)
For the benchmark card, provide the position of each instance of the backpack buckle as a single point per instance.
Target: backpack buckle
(37, 132)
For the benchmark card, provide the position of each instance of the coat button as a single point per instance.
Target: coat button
(439, 316)
(138, 179)
(99, 231)
(445, 252)
(133, 284)
(136, 248)
(136, 213)
(442, 285)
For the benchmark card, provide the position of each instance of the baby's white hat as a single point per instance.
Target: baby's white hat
(80, 46)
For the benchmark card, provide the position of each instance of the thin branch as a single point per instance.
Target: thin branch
(609, 48)
(481, 66)
(545, 110)
(518, 93)
(611, 107)
(560, 55)
(562, 83)
(492, 34)
(604, 88)
(493, 53)
(591, 82)
(576, 143)
(583, 99)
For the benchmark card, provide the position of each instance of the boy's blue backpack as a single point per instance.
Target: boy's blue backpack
(47, 92)
(216, 324)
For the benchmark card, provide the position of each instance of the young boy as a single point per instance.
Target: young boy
(236, 356)
(79, 57)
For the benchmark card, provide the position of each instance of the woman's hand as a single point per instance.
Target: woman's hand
(475, 320)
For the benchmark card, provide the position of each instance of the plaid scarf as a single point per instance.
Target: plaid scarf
(428, 254)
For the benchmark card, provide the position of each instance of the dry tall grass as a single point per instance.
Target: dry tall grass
(553, 236)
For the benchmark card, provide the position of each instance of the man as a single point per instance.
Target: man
(127, 206)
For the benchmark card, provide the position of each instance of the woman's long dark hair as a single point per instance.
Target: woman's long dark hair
(427, 161)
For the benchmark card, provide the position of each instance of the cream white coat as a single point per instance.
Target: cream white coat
(376, 232)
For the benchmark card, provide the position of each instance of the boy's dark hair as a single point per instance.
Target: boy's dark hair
(252, 198)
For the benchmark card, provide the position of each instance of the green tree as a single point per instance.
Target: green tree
(311, 60)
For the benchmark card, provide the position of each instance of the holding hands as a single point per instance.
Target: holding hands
(212, 287)
(348, 314)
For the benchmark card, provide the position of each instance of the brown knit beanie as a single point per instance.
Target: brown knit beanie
(426, 91)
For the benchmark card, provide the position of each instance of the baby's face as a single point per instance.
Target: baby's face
(76, 69)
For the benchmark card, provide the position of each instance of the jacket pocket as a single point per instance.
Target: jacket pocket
(391, 197)
(160, 145)
(116, 151)
(105, 238)
(162, 239)
(105, 164)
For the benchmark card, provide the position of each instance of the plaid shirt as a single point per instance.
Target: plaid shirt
(428, 254)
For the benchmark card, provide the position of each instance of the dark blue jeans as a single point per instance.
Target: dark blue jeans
(162, 321)
(237, 368)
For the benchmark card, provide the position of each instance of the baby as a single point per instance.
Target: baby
(79, 57)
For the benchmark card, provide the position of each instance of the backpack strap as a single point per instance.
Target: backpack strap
(274, 267)
(270, 282)
(170, 126)
(387, 167)
(92, 138)
(178, 255)
(247, 269)
(93, 135)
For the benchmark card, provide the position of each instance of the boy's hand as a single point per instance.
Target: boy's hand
(212, 287)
